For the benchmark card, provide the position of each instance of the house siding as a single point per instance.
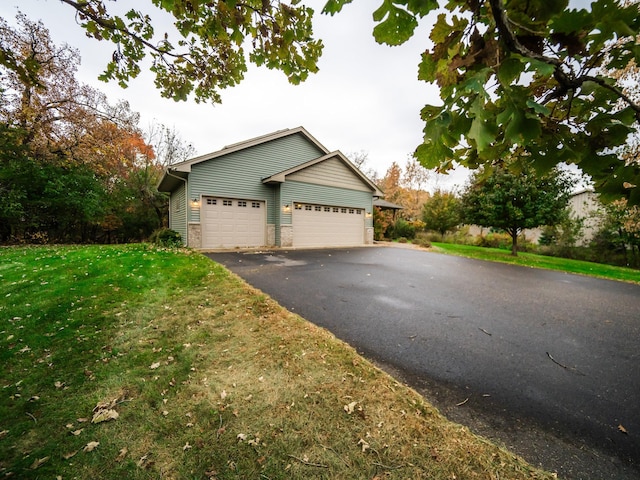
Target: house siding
(178, 206)
(331, 172)
(239, 174)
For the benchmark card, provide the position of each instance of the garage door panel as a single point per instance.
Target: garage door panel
(321, 225)
(229, 223)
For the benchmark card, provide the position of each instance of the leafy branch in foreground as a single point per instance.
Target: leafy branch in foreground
(209, 53)
(530, 77)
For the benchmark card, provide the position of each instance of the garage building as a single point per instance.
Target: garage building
(281, 189)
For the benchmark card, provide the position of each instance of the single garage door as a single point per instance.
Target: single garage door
(229, 223)
(327, 226)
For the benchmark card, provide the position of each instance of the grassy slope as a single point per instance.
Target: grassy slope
(209, 378)
(542, 261)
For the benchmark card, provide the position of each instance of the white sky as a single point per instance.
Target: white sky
(366, 96)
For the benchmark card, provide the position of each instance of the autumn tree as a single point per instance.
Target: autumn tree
(441, 212)
(414, 182)
(73, 166)
(515, 199)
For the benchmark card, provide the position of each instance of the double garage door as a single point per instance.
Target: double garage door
(229, 223)
(327, 226)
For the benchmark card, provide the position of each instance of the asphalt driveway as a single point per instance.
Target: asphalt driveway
(504, 349)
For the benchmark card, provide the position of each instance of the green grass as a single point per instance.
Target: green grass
(209, 378)
(542, 261)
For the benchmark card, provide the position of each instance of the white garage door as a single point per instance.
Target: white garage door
(229, 223)
(327, 226)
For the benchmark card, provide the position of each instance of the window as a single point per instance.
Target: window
(359, 212)
(255, 204)
(327, 209)
(242, 203)
(336, 209)
(298, 206)
(308, 208)
(343, 210)
(212, 201)
(351, 210)
(318, 208)
(227, 203)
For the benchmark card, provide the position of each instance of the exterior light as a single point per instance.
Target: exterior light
(286, 208)
(195, 203)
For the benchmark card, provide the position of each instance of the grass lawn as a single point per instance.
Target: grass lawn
(132, 362)
(542, 261)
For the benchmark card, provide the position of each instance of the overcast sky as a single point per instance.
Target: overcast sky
(366, 96)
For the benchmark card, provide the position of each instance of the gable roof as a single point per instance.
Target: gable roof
(186, 165)
(280, 177)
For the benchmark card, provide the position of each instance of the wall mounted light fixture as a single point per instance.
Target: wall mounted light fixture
(286, 208)
(195, 203)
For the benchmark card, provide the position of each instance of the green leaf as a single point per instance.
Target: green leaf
(396, 25)
(538, 108)
(510, 70)
(543, 68)
(334, 6)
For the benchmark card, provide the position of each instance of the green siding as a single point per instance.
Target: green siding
(239, 174)
(178, 206)
(330, 172)
(325, 195)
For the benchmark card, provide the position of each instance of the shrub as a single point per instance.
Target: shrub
(166, 237)
(402, 228)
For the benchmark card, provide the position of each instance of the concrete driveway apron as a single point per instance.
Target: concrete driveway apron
(534, 346)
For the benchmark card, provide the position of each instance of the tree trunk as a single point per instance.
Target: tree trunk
(514, 241)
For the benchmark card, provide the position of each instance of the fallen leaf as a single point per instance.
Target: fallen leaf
(58, 384)
(89, 447)
(223, 394)
(39, 462)
(364, 444)
(350, 407)
(165, 413)
(75, 433)
(104, 416)
(186, 447)
(122, 454)
(4, 433)
(241, 436)
(69, 455)
(82, 420)
(622, 429)
(153, 366)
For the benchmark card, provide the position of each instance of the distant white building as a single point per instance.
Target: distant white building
(585, 205)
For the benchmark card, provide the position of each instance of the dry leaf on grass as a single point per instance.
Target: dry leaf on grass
(69, 455)
(104, 416)
(90, 447)
(622, 429)
(350, 407)
(39, 462)
(153, 366)
(122, 454)
(364, 444)
(75, 433)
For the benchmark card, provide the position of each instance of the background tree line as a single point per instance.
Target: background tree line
(507, 203)
(74, 167)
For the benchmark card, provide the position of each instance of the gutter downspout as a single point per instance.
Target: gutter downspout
(186, 202)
